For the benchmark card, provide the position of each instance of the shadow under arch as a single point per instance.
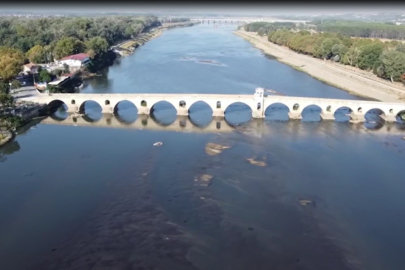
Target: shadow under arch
(89, 118)
(277, 111)
(400, 117)
(311, 113)
(125, 112)
(373, 119)
(341, 114)
(163, 113)
(374, 115)
(237, 113)
(90, 106)
(58, 110)
(200, 113)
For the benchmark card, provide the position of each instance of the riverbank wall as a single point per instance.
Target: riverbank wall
(350, 81)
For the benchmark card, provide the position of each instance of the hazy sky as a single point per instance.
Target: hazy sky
(259, 9)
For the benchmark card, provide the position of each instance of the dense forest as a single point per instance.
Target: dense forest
(385, 59)
(362, 29)
(55, 37)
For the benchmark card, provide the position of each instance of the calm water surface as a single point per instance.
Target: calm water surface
(96, 194)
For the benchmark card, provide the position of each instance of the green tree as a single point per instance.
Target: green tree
(68, 46)
(327, 46)
(44, 76)
(4, 88)
(11, 62)
(393, 63)
(15, 84)
(96, 46)
(6, 100)
(37, 54)
(369, 54)
(352, 56)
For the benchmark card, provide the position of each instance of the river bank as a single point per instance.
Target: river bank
(5, 137)
(356, 82)
(129, 46)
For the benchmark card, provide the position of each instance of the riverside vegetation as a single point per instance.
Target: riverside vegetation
(348, 43)
(41, 40)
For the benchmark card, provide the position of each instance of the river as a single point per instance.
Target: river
(304, 194)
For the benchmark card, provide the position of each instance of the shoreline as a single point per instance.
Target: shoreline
(354, 82)
(148, 36)
(8, 137)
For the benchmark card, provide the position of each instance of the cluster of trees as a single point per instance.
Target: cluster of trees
(361, 29)
(42, 40)
(263, 28)
(385, 59)
(25, 33)
(175, 20)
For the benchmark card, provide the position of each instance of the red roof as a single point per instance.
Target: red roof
(79, 56)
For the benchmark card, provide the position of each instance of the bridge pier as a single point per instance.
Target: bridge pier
(389, 117)
(356, 118)
(182, 111)
(327, 116)
(218, 113)
(294, 115)
(107, 109)
(258, 114)
(72, 108)
(143, 110)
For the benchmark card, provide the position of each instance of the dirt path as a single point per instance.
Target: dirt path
(357, 82)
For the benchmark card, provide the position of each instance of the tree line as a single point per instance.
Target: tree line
(384, 59)
(361, 29)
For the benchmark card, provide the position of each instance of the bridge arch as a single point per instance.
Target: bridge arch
(200, 113)
(400, 116)
(56, 104)
(124, 104)
(90, 104)
(238, 112)
(311, 112)
(125, 111)
(341, 114)
(277, 111)
(374, 115)
(163, 112)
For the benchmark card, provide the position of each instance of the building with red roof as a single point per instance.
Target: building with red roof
(75, 60)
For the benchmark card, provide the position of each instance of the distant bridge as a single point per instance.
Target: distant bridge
(240, 20)
(258, 103)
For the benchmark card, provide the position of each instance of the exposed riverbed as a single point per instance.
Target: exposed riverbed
(96, 193)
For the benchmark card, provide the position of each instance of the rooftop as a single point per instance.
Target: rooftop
(79, 56)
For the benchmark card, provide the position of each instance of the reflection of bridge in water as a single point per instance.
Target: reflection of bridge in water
(181, 123)
(256, 127)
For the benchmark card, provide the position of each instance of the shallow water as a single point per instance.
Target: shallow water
(95, 193)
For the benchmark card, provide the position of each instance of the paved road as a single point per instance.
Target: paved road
(26, 91)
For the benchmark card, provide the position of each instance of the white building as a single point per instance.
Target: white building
(75, 61)
(30, 68)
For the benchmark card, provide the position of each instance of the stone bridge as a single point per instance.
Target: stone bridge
(258, 103)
